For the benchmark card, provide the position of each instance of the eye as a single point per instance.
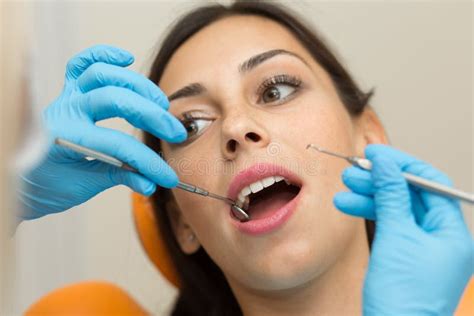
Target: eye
(194, 125)
(278, 88)
(277, 92)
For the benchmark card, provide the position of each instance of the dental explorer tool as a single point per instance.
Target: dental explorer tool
(412, 179)
(237, 210)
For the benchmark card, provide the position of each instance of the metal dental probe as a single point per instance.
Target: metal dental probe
(412, 179)
(237, 210)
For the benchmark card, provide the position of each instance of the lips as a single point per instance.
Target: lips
(274, 209)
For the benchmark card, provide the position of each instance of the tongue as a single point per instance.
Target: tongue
(269, 200)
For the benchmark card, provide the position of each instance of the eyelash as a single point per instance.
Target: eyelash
(192, 116)
(285, 79)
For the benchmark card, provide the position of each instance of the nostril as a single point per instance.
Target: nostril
(253, 137)
(231, 145)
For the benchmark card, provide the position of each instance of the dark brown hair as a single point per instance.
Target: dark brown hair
(204, 289)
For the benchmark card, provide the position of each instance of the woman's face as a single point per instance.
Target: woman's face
(254, 99)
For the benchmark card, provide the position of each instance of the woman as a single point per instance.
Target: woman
(253, 86)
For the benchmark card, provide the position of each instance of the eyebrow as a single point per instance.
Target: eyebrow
(256, 60)
(195, 89)
(188, 91)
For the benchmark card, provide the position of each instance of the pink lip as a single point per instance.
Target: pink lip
(279, 217)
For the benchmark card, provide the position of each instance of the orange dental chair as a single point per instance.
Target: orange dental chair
(103, 298)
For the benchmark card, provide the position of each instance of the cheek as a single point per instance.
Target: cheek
(325, 120)
(198, 165)
(199, 212)
(327, 124)
(207, 218)
(320, 119)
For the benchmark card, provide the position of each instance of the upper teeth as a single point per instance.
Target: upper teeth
(257, 186)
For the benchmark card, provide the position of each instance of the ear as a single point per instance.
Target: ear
(369, 130)
(183, 233)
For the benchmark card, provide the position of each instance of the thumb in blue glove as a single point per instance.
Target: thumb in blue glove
(422, 253)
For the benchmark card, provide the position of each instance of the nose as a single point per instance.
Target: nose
(242, 133)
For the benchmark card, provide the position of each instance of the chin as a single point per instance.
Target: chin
(286, 267)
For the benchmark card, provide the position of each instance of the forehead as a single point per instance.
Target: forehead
(227, 42)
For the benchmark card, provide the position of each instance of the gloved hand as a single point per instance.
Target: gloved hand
(98, 87)
(422, 254)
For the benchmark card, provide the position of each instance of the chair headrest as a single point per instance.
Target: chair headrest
(151, 239)
(92, 298)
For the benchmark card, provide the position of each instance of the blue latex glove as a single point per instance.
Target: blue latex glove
(422, 254)
(98, 87)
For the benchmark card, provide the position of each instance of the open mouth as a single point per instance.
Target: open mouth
(270, 193)
(264, 197)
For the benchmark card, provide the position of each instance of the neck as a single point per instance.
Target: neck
(337, 291)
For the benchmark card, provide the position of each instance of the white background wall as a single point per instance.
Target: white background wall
(418, 55)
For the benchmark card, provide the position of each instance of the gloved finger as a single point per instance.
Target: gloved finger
(355, 204)
(426, 171)
(101, 74)
(406, 162)
(99, 53)
(126, 149)
(419, 209)
(442, 212)
(104, 176)
(437, 206)
(392, 196)
(134, 181)
(402, 159)
(358, 180)
(142, 113)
